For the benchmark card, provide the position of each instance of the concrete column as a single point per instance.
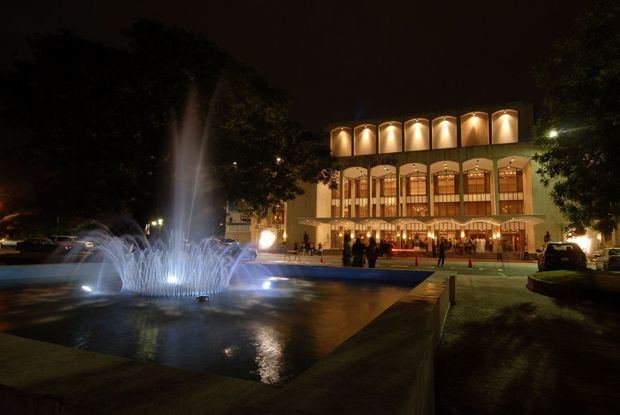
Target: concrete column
(398, 191)
(430, 190)
(495, 190)
(341, 184)
(458, 131)
(378, 198)
(369, 202)
(461, 191)
(353, 206)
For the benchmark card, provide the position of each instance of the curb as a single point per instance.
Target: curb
(554, 289)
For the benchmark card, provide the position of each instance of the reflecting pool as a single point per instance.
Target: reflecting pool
(268, 329)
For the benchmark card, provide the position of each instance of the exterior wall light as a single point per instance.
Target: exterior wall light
(553, 133)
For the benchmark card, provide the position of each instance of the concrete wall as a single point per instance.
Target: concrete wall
(303, 206)
(365, 139)
(474, 129)
(417, 135)
(444, 132)
(542, 203)
(390, 137)
(341, 142)
(505, 128)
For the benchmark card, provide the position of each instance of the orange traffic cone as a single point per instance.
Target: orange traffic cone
(469, 265)
(416, 260)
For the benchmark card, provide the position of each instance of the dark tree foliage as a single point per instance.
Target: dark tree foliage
(579, 135)
(95, 122)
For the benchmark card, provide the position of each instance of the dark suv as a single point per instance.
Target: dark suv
(561, 255)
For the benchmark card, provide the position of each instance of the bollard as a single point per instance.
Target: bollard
(416, 260)
(452, 290)
(469, 265)
(322, 259)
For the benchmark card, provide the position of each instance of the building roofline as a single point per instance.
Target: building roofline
(520, 106)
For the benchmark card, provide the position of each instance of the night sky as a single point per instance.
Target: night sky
(341, 60)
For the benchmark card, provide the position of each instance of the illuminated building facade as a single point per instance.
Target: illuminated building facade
(467, 176)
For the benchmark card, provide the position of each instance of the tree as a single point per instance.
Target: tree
(579, 134)
(96, 124)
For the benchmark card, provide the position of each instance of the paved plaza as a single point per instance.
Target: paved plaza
(506, 350)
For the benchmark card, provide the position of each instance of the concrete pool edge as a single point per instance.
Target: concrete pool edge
(385, 367)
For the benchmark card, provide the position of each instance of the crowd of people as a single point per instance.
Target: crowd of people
(307, 248)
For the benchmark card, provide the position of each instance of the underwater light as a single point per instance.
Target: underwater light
(172, 279)
(266, 285)
(87, 288)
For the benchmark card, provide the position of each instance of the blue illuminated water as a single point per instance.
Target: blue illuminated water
(267, 329)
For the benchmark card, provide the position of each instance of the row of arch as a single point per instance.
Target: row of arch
(516, 162)
(417, 134)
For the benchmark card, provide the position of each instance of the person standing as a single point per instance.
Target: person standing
(499, 250)
(372, 252)
(358, 251)
(547, 237)
(346, 251)
(441, 251)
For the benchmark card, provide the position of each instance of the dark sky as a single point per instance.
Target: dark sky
(341, 60)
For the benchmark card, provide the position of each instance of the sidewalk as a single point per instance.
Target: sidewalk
(506, 350)
(521, 268)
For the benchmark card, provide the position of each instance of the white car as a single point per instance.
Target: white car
(609, 259)
(8, 243)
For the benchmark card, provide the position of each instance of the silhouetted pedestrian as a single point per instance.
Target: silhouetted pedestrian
(358, 251)
(372, 252)
(346, 251)
(441, 250)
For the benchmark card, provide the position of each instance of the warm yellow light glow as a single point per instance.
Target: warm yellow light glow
(160, 222)
(553, 133)
(584, 242)
(154, 223)
(266, 239)
(505, 127)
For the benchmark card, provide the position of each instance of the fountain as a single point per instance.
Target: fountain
(177, 266)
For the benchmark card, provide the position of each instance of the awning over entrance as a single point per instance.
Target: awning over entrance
(497, 220)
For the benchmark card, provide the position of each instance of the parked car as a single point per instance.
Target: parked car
(246, 253)
(65, 241)
(561, 255)
(82, 246)
(8, 243)
(595, 255)
(37, 245)
(609, 259)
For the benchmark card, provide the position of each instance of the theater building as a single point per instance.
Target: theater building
(467, 176)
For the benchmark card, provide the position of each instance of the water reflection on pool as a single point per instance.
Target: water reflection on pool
(268, 329)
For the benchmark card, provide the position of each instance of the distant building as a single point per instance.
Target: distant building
(466, 176)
